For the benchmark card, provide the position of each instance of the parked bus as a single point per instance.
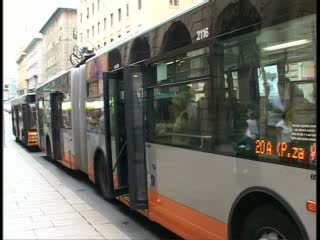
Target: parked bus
(205, 123)
(24, 119)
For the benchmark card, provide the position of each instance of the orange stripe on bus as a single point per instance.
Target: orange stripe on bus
(74, 162)
(91, 170)
(186, 222)
(32, 144)
(115, 182)
(69, 160)
(126, 202)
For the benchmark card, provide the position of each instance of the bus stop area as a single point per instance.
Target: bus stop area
(37, 205)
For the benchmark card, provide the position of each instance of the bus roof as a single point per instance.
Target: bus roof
(19, 98)
(145, 30)
(52, 78)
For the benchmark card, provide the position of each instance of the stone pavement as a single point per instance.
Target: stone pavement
(38, 206)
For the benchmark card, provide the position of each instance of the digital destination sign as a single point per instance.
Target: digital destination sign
(286, 150)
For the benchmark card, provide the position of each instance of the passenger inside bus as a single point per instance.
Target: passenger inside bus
(186, 122)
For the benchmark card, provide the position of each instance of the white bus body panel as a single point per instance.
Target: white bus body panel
(210, 183)
(66, 142)
(95, 141)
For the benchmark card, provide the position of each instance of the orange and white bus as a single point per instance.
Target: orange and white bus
(206, 123)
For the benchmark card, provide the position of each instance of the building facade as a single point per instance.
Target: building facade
(22, 74)
(33, 63)
(6, 92)
(58, 42)
(104, 22)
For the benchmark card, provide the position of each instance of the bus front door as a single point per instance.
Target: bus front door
(116, 142)
(124, 135)
(56, 99)
(134, 116)
(25, 123)
(16, 113)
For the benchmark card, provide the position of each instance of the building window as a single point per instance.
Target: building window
(139, 4)
(98, 46)
(98, 5)
(92, 8)
(111, 19)
(119, 14)
(174, 2)
(6, 86)
(87, 12)
(105, 44)
(87, 33)
(104, 23)
(92, 31)
(127, 9)
(81, 17)
(111, 40)
(98, 28)
(80, 37)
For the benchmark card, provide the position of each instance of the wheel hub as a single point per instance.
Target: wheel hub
(269, 233)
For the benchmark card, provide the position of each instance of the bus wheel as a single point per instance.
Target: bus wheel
(102, 177)
(268, 222)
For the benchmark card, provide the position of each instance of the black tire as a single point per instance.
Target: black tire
(266, 219)
(102, 178)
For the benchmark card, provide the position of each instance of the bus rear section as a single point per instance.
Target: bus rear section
(24, 120)
(55, 119)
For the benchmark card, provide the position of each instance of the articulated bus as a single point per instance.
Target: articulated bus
(24, 123)
(205, 123)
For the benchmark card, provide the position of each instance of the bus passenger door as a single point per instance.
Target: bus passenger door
(124, 135)
(15, 112)
(40, 120)
(135, 137)
(25, 123)
(115, 132)
(56, 99)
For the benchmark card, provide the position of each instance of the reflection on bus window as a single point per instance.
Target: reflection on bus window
(66, 114)
(95, 116)
(190, 65)
(95, 88)
(47, 111)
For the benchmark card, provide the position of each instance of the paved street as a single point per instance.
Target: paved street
(43, 200)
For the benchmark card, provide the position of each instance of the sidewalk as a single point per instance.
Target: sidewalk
(38, 206)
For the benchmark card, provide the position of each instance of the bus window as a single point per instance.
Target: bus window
(66, 114)
(190, 65)
(268, 109)
(95, 115)
(181, 115)
(33, 116)
(179, 111)
(47, 111)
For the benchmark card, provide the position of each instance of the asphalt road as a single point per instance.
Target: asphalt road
(133, 224)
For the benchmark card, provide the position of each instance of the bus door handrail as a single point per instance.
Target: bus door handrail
(118, 157)
(202, 137)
